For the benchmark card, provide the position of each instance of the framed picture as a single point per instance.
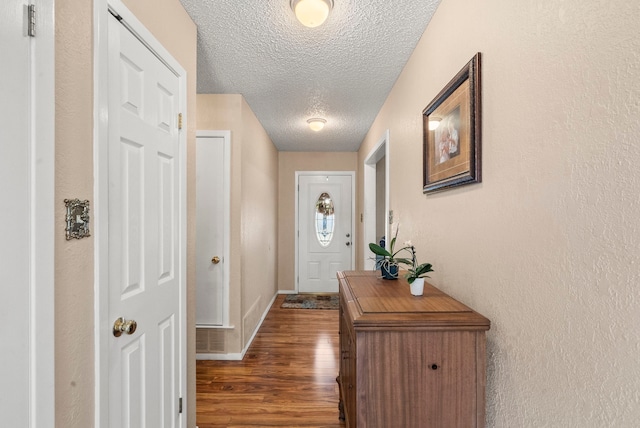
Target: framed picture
(451, 132)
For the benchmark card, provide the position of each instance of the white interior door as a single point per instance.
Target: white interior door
(325, 230)
(210, 236)
(26, 226)
(144, 248)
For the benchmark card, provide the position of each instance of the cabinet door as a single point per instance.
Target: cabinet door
(347, 370)
(418, 379)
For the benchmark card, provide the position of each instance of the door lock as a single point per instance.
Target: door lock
(123, 326)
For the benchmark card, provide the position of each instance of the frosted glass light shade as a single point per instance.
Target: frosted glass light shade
(311, 13)
(316, 124)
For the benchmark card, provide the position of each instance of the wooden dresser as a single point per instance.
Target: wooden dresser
(408, 361)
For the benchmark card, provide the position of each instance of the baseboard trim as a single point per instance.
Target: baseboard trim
(239, 356)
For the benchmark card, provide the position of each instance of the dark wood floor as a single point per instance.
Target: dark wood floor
(287, 377)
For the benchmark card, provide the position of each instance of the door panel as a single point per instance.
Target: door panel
(133, 386)
(143, 234)
(132, 210)
(168, 386)
(325, 240)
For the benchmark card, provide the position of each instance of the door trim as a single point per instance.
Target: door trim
(42, 219)
(226, 220)
(297, 227)
(101, 14)
(377, 152)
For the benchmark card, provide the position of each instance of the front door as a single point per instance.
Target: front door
(144, 250)
(325, 235)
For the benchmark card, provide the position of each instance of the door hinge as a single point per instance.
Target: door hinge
(31, 20)
(180, 405)
(179, 121)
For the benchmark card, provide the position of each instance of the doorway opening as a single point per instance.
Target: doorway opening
(376, 197)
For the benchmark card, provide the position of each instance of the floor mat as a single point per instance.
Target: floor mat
(311, 301)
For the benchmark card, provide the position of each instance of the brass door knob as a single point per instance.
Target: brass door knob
(215, 260)
(123, 326)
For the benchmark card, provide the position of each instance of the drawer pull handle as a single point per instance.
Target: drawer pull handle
(434, 367)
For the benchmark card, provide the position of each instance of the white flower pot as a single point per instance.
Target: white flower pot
(417, 287)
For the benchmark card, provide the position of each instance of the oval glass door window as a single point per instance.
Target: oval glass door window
(325, 219)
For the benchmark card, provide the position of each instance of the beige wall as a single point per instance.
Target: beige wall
(222, 113)
(289, 163)
(259, 221)
(254, 172)
(74, 377)
(547, 246)
(74, 283)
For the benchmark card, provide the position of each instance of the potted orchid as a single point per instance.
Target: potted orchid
(390, 262)
(417, 272)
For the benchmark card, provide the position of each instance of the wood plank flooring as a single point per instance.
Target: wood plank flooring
(287, 378)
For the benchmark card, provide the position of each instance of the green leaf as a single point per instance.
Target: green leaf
(423, 269)
(378, 250)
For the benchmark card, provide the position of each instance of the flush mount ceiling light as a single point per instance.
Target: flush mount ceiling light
(316, 124)
(311, 13)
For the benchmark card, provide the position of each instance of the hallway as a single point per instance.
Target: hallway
(286, 379)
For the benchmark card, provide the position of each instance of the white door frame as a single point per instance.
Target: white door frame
(353, 214)
(381, 149)
(42, 239)
(40, 219)
(226, 221)
(101, 197)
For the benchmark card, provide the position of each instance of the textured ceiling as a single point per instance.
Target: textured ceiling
(341, 71)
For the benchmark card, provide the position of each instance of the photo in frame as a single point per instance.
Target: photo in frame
(452, 132)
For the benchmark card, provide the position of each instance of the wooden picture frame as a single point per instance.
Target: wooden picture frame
(451, 152)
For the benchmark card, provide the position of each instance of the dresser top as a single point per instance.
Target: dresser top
(372, 300)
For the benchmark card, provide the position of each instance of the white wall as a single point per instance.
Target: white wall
(548, 246)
